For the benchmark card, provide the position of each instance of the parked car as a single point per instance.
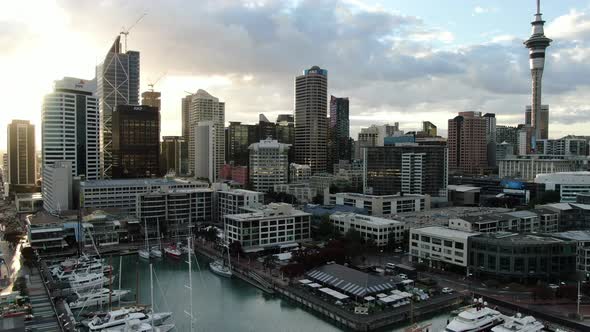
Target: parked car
(447, 290)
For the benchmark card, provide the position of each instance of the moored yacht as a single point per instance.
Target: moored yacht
(172, 251)
(155, 252)
(136, 325)
(479, 318)
(118, 319)
(86, 281)
(221, 269)
(519, 323)
(99, 297)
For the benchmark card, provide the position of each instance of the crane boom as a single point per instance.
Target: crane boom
(125, 31)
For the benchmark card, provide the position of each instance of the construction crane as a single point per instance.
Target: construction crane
(125, 32)
(151, 85)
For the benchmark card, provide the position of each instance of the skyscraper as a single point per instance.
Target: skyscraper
(491, 138)
(339, 131)
(269, 164)
(467, 143)
(311, 137)
(21, 153)
(70, 127)
(204, 153)
(151, 98)
(118, 84)
(173, 155)
(537, 44)
(186, 105)
(136, 142)
(239, 136)
(205, 107)
(544, 120)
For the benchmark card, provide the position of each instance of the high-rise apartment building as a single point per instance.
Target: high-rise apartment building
(407, 169)
(136, 142)
(151, 98)
(173, 155)
(339, 132)
(269, 164)
(206, 108)
(467, 143)
(57, 186)
(117, 79)
(238, 138)
(491, 139)
(507, 134)
(186, 106)
(205, 158)
(70, 129)
(311, 129)
(537, 43)
(21, 153)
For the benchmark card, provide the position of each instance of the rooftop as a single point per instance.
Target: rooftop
(140, 182)
(368, 196)
(463, 188)
(574, 235)
(270, 211)
(445, 232)
(441, 216)
(522, 214)
(351, 281)
(369, 220)
(522, 238)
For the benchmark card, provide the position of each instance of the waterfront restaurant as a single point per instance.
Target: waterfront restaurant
(350, 281)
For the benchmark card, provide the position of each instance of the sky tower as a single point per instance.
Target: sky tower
(537, 43)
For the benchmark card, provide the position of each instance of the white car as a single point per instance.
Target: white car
(447, 290)
(403, 276)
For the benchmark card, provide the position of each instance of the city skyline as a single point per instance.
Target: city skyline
(409, 50)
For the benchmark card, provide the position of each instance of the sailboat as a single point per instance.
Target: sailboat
(218, 266)
(156, 251)
(190, 285)
(144, 252)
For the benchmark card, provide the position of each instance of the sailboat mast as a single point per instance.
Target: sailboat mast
(111, 283)
(190, 280)
(152, 293)
(120, 273)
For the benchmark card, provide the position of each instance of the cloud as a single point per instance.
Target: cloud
(478, 10)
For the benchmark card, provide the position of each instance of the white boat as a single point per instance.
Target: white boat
(136, 325)
(172, 251)
(95, 267)
(99, 297)
(118, 318)
(156, 252)
(143, 253)
(185, 249)
(86, 281)
(479, 318)
(218, 267)
(519, 323)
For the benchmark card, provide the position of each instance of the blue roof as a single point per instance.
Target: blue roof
(320, 210)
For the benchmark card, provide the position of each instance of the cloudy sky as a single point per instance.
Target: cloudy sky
(397, 60)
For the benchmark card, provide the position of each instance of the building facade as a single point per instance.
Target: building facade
(234, 201)
(406, 168)
(135, 142)
(380, 230)
(269, 164)
(173, 155)
(21, 153)
(563, 147)
(57, 187)
(582, 239)
(152, 99)
(527, 167)
(439, 246)
(117, 80)
(311, 129)
(467, 143)
(273, 225)
(340, 146)
(380, 206)
(70, 127)
(568, 184)
(299, 173)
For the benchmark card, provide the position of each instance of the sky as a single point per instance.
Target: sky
(397, 61)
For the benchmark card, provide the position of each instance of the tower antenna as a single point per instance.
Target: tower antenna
(538, 6)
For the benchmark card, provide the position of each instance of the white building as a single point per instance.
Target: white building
(57, 186)
(234, 201)
(205, 107)
(583, 252)
(569, 184)
(205, 162)
(123, 193)
(563, 147)
(299, 173)
(302, 191)
(269, 164)
(527, 167)
(378, 229)
(380, 205)
(70, 127)
(437, 245)
(273, 225)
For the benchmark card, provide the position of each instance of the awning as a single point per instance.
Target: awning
(253, 249)
(284, 256)
(289, 245)
(334, 293)
(381, 295)
(305, 281)
(314, 285)
(369, 298)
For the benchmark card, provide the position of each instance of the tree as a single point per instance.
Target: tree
(28, 254)
(235, 248)
(318, 199)
(353, 241)
(293, 270)
(325, 229)
(210, 234)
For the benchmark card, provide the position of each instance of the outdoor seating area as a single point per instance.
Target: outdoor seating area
(396, 298)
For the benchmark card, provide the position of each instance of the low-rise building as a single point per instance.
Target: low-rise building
(521, 256)
(233, 201)
(528, 166)
(123, 193)
(273, 225)
(568, 184)
(571, 216)
(302, 191)
(380, 205)
(582, 238)
(371, 228)
(463, 195)
(439, 246)
(538, 220)
(28, 202)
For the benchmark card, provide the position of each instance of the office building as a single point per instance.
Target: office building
(380, 205)
(311, 129)
(184, 116)
(123, 193)
(152, 99)
(563, 147)
(70, 129)
(238, 138)
(429, 129)
(537, 220)
(339, 133)
(173, 155)
(526, 167)
(301, 191)
(269, 164)
(568, 184)
(572, 216)
(285, 128)
(57, 187)
(377, 229)
(136, 142)
(406, 168)
(521, 257)
(271, 226)
(439, 246)
(504, 150)
(299, 173)
(491, 139)
(352, 171)
(208, 109)
(174, 210)
(21, 153)
(117, 80)
(234, 201)
(507, 134)
(238, 175)
(467, 143)
(582, 239)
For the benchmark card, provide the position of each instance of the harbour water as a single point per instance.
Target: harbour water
(219, 304)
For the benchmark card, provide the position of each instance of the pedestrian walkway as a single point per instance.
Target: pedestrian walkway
(44, 316)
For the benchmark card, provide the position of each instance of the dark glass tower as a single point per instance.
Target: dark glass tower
(339, 131)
